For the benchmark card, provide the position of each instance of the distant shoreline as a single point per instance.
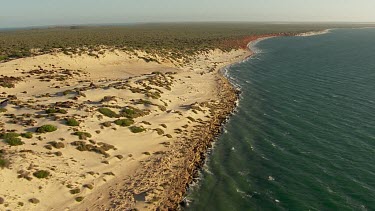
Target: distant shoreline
(314, 33)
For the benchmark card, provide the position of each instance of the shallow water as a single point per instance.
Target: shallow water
(304, 134)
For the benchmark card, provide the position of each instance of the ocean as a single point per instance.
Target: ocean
(303, 136)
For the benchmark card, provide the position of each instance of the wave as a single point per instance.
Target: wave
(314, 33)
(252, 45)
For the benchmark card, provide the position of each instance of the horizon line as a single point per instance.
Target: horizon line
(180, 22)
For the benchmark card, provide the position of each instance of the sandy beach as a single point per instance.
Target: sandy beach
(125, 134)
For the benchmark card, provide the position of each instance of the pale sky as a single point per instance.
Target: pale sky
(20, 13)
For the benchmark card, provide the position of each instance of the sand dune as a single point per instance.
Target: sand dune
(125, 114)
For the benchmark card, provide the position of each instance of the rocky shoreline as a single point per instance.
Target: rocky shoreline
(180, 165)
(202, 140)
(204, 136)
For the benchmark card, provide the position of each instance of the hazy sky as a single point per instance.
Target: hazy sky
(16, 13)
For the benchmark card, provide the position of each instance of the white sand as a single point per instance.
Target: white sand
(194, 83)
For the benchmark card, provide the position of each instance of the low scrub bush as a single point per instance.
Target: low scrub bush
(108, 112)
(75, 191)
(14, 141)
(46, 129)
(131, 112)
(124, 122)
(41, 174)
(72, 122)
(56, 110)
(79, 198)
(27, 135)
(82, 135)
(136, 129)
(4, 163)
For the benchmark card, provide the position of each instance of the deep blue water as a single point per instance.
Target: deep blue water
(303, 137)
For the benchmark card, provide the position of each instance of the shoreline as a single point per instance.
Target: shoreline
(149, 170)
(314, 33)
(234, 88)
(230, 98)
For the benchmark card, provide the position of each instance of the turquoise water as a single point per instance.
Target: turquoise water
(303, 137)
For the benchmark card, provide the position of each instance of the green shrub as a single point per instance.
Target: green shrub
(51, 111)
(4, 163)
(41, 174)
(131, 112)
(9, 135)
(75, 191)
(82, 135)
(2, 110)
(159, 131)
(145, 102)
(56, 110)
(72, 122)
(3, 57)
(79, 198)
(108, 112)
(136, 129)
(27, 135)
(124, 122)
(13, 141)
(128, 112)
(46, 129)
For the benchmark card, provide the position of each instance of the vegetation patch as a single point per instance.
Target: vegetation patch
(82, 135)
(144, 102)
(124, 122)
(9, 82)
(56, 110)
(27, 135)
(46, 129)
(9, 135)
(159, 131)
(131, 112)
(34, 201)
(3, 110)
(107, 124)
(75, 191)
(153, 95)
(41, 174)
(72, 122)
(101, 149)
(108, 112)
(4, 163)
(13, 141)
(79, 198)
(136, 129)
(57, 145)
